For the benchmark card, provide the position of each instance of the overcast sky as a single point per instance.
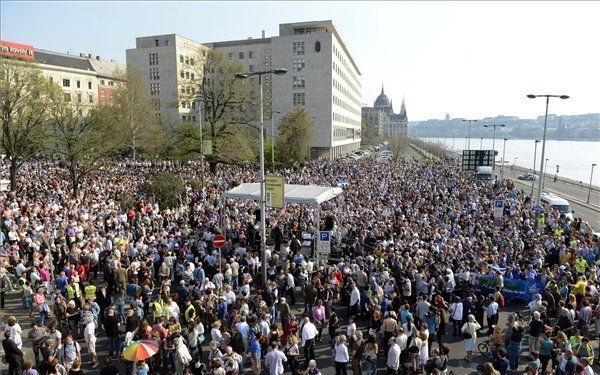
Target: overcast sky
(468, 59)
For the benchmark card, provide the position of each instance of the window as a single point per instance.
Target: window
(154, 74)
(155, 89)
(78, 98)
(153, 58)
(191, 61)
(250, 68)
(298, 65)
(181, 59)
(166, 42)
(155, 42)
(187, 60)
(66, 82)
(251, 54)
(90, 99)
(78, 84)
(241, 55)
(317, 46)
(299, 98)
(102, 82)
(67, 97)
(182, 74)
(89, 85)
(298, 82)
(230, 55)
(187, 75)
(298, 48)
(192, 76)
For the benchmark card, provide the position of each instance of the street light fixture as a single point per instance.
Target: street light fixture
(591, 176)
(547, 96)
(534, 158)
(545, 168)
(503, 157)
(263, 252)
(273, 142)
(469, 134)
(494, 141)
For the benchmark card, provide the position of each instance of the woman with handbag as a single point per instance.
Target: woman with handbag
(469, 333)
(292, 352)
(318, 314)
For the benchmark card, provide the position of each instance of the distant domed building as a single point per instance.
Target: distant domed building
(381, 119)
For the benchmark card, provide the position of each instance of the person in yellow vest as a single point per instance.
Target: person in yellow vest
(580, 264)
(90, 291)
(190, 312)
(73, 292)
(159, 308)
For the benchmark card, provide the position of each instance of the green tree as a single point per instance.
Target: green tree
(166, 188)
(226, 105)
(82, 137)
(25, 98)
(295, 136)
(134, 111)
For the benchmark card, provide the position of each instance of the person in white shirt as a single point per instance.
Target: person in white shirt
(456, 314)
(354, 300)
(492, 314)
(309, 332)
(393, 358)
(341, 356)
(274, 360)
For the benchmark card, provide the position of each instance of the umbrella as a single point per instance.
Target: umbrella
(139, 350)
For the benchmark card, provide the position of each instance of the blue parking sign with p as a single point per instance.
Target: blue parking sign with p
(324, 236)
(499, 204)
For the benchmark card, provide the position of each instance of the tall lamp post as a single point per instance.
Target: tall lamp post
(494, 141)
(534, 158)
(547, 96)
(503, 157)
(469, 134)
(545, 169)
(263, 258)
(200, 101)
(591, 176)
(273, 143)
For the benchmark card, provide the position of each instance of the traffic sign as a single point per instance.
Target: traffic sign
(324, 236)
(498, 208)
(219, 241)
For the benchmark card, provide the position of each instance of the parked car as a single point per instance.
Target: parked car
(527, 177)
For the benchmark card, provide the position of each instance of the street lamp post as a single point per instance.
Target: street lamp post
(503, 157)
(534, 158)
(263, 202)
(469, 134)
(481, 144)
(547, 96)
(273, 143)
(201, 145)
(591, 176)
(545, 168)
(494, 141)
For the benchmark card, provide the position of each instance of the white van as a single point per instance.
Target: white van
(562, 205)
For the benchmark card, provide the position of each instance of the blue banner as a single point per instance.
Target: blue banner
(523, 290)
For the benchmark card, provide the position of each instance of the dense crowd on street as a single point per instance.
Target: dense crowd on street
(413, 240)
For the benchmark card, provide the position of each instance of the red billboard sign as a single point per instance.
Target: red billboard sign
(21, 51)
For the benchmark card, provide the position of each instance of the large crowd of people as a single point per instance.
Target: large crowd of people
(412, 238)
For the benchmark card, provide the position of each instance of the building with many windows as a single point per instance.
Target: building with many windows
(322, 77)
(381, 119)
(86, 80)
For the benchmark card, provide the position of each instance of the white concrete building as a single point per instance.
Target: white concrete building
(165, 63)
(322, 76)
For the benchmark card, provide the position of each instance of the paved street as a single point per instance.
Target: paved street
(323, 353)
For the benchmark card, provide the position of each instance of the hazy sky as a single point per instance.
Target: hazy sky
(469, 59)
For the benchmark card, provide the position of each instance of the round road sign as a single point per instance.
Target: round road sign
(219, 241)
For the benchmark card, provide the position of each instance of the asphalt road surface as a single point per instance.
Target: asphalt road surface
(322, 350)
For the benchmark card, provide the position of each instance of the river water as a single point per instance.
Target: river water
(574, 158)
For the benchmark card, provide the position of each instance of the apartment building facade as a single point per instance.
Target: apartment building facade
(322, 76)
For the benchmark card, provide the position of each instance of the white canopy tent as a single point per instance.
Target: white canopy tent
(306, 194)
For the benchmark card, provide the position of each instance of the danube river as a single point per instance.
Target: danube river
(573, 158)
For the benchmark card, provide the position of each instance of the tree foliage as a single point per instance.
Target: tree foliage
(226, 104)
(134, 111)
(295, 137)
(166, 188)
(81, 136)
(25, 98)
